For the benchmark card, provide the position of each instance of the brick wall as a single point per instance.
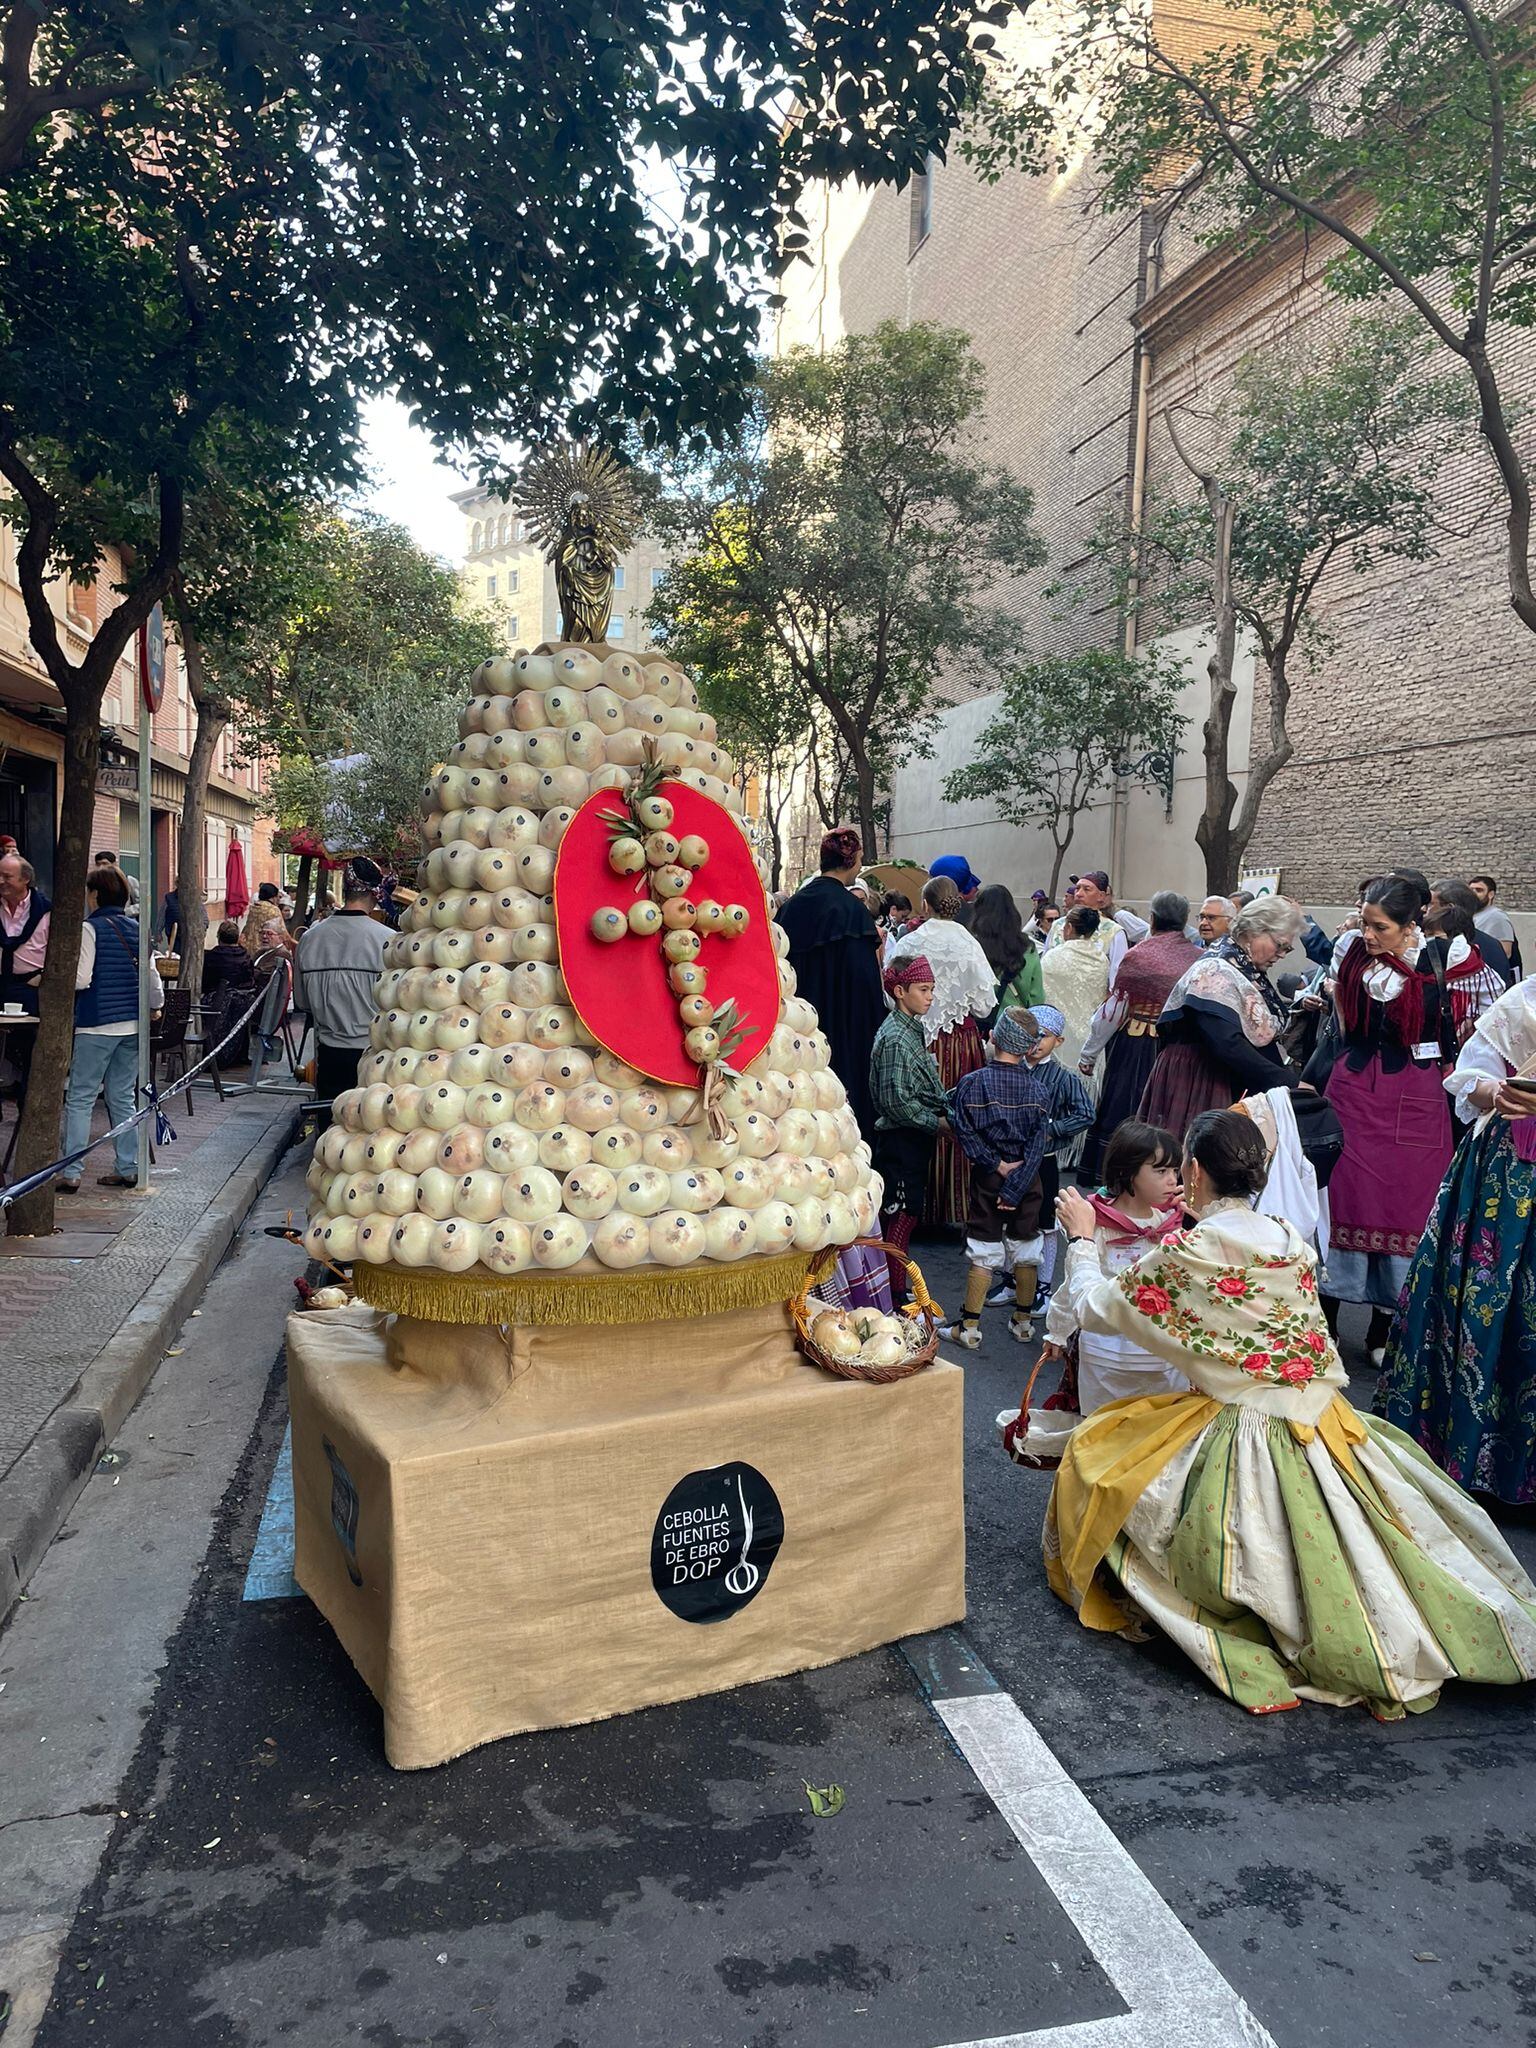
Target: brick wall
(1416, 730)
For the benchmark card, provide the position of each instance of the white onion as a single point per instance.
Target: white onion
(532, 1196)
(559, 1241)
(676, 1238)
(621, 1240)
(506, 1247)
(591, 1192)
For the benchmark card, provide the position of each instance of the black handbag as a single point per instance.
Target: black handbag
(1320, 1132)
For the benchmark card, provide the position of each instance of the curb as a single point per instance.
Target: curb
(42, 1486)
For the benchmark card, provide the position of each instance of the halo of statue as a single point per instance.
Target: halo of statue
(581, 508)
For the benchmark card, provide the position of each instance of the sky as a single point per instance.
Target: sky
(411, 486)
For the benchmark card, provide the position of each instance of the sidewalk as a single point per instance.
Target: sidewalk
(85, 1315)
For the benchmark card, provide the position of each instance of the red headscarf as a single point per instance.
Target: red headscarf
(902, 973)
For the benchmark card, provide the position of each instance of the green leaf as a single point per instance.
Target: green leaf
(826, 1800)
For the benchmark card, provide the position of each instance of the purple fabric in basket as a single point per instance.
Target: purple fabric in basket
(860, 1279)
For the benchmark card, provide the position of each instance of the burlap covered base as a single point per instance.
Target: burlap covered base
(524, 1529)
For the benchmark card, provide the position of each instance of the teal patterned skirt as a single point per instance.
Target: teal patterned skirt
(1460, 1370)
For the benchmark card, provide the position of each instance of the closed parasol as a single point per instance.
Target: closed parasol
(237, 890)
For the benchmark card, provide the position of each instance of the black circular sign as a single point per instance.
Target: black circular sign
(715, 1541)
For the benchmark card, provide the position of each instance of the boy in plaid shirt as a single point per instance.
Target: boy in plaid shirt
(1001, 1119)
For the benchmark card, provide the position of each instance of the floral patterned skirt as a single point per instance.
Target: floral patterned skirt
(1460, 1370)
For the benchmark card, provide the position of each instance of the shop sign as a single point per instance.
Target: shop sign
(117, 778)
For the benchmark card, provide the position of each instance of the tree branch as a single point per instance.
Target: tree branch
(1309, 209)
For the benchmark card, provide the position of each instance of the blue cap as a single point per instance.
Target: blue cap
(957, 869)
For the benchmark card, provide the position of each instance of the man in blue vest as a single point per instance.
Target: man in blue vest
(106, 1055)
(24, 911)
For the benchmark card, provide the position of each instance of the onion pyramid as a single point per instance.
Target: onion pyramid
(521, 1147)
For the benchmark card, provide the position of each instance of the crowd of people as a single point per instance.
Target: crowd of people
(1229, 1154)
(334, 953)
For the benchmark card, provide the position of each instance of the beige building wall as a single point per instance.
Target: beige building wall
(503, 571)
(1416, 731)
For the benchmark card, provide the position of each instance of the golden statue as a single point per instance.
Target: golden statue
(581, 509)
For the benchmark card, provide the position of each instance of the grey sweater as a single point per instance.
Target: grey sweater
(337, 965)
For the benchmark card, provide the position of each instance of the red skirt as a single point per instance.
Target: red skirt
(958, 1052)
(1397, 1145)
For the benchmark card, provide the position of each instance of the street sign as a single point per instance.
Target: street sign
(152, 658)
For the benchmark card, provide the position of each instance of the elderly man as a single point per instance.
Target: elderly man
(24, 915)
(1215, 919)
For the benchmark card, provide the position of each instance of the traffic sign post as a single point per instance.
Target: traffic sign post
(151, 693)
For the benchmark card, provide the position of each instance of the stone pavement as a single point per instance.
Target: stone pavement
(102, 1297)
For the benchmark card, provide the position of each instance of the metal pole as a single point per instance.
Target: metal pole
(146, 925)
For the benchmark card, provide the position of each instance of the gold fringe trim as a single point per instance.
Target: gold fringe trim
(656, 1294)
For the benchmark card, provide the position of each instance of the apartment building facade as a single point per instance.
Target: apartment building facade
(502, 570)
(1413, 729)
(32, 752)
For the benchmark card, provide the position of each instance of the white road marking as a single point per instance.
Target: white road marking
(1176, 1995)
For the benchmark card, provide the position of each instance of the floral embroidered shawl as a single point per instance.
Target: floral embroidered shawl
(1242, 1325)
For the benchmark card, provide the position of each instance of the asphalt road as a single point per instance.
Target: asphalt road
(249, 1871)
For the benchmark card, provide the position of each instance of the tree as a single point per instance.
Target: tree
(762, 716)
(1318, 462)
(848, 541)
(289, 208)
(1405, 130)
(368, 798)
(1064, 728)
(353, 642)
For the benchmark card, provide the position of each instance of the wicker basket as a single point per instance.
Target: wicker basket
(922, 1308)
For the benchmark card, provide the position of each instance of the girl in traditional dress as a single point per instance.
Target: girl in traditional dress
(1076, 976)
(1138, 1209)
(1292, 1548)
(1460, 1368)
(1217, 1036)
(1401, 1000)
(964, 990)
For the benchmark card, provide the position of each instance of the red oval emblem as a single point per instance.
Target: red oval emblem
(620, 989)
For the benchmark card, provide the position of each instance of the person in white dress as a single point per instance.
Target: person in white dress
(1140, 1208)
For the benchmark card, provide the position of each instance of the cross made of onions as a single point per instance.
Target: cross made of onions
(641, 844)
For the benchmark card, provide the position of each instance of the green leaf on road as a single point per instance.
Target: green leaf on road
(825, 1799)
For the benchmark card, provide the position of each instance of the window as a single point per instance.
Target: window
(490, 586)
(477, 535)
(920, 222)
(616, 628)
(618, 576)
(656, 576)
(512, 626)
(501, 531)
(512, 575)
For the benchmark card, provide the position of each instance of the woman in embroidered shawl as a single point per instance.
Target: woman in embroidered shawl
(1292, 1548)
(1460, 1371)
(964, 990)
(1218, 1035)
(1403, 1002)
